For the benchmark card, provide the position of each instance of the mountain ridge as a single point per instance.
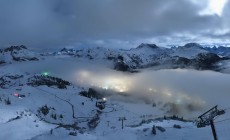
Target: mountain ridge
(189, 56)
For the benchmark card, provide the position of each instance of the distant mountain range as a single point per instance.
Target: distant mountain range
(191, 56)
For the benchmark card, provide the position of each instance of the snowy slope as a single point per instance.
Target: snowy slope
(17, 53)
(21, 119)
(189, 50)
(23, 107)
(90, 53)
(222, 51)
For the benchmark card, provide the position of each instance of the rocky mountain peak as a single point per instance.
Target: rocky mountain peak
(192, 45)
(15, 48)
(143, 45)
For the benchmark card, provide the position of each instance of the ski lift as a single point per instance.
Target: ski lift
(220, 112)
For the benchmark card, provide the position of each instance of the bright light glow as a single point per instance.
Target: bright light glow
(121, 90)
(84, 74)
(105, 87)
(112, 82)
(178, 101)
(217, 6)
(104, 99)
(16, 94)
(118, 84)
(167, 92)
(214, 7)
(45, 73)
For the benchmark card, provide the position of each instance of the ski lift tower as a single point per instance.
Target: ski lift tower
(207, 119)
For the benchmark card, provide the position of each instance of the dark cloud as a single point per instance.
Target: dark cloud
(225, 17)
(222, 32)
(34, 22)
(226, 10)
(49, 23)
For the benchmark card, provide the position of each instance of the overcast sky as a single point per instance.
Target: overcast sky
(112, 23)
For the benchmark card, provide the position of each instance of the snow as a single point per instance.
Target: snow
(188, 52)
(30, 125)
(23, 54)
(23, 128)
(146, 55)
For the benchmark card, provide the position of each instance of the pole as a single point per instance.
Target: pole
(122, 121)
(208, 116)
(107, 123)
(213, 130)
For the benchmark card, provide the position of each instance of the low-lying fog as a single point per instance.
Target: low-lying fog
(187, 89)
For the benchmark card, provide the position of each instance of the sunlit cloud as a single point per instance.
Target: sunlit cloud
(214, 7)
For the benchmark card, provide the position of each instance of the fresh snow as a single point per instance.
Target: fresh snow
(21, 121)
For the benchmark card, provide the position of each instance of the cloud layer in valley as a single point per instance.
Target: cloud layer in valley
(185, 90)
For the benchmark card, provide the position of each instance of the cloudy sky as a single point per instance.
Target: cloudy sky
(112, 23)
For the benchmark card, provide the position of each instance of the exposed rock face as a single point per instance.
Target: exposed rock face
(142, 45)
(191, 55)
(206, 60)
(223, 51)
(181, 62)
(120, 64)
(190, 45)
(16, 53)
(15, 48)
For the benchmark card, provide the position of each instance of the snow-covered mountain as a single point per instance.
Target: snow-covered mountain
(191, 55)
(222, 51)
(38, 105)
(17, 53)
(189, 50)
